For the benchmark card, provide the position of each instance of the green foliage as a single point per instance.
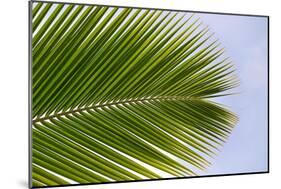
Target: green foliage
(124, 94)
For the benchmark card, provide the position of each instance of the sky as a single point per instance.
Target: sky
(245, 41)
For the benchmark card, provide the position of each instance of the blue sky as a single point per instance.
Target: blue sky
(245, 41)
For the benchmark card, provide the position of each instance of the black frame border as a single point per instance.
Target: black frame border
(143, 180)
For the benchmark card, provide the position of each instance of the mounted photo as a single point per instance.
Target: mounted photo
(123, 94)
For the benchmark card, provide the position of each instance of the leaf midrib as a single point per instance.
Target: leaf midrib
(118, 102)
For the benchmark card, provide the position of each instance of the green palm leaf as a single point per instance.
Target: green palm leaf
(124, 94)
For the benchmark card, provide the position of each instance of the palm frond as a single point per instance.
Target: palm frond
(121, 94)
